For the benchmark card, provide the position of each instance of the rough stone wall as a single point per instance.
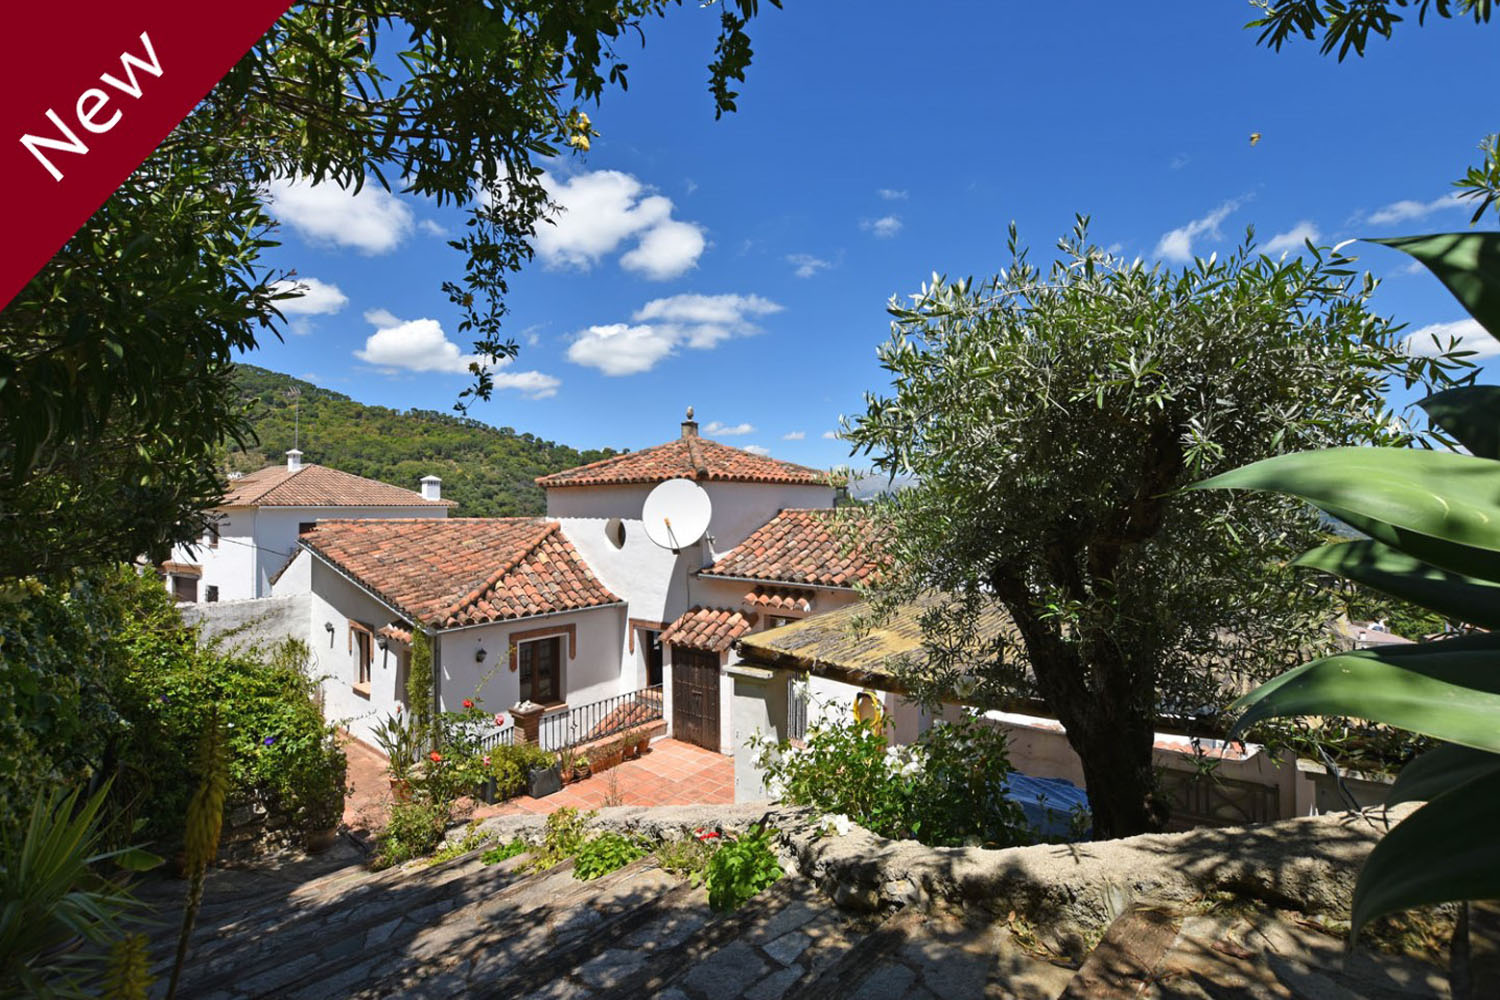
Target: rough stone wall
(261, 621)
(1307, 864)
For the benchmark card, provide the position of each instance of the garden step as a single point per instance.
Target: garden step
(926, 954)
(508, 947)
(257, 956)
(355, 889)
(789, 933)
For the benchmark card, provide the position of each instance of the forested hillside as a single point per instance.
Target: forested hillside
(487, 470)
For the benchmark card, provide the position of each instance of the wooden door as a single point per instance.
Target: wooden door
(695, 697)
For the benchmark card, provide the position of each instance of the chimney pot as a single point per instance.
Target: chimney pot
(690, 426)
(432, 488)
(293, 460)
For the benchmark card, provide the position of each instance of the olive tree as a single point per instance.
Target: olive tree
(1051, 418)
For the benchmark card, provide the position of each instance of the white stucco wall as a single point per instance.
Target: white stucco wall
(592, 675)
(738, 508)
(335, 600)
(255, 542)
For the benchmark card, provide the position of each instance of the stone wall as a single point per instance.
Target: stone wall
(262, 621)
(252, 827)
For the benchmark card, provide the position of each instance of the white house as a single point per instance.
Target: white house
(255, 531)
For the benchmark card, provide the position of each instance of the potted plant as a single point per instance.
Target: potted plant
(542, 780)
(398, 740)
(642, 738)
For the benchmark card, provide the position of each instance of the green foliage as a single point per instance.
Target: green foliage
(1431, 517)
(944, 790)
(488, 471)
(563, 837)
(505, 851)
(419, 683)
(415, 830)
(740, 868)
(472, 840)
(1345, 26)
(510, 766)
(688, 856)
(604, 853)
(53, 889)
(101, 679)
(1050, 420)
(399, 739)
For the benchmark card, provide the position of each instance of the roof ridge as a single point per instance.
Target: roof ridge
(494, 578)
(606, 461)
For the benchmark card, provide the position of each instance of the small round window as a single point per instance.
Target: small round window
(614, 530)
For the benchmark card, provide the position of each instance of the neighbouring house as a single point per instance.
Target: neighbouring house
(512, 612)
(852, 650)
(254, 534)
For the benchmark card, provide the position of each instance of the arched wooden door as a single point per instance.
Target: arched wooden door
(695, 697)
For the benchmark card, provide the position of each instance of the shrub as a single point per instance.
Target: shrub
(504, 852)
(688, 856)
(943, 790)
(563, 837)
(511, 764)
(740, 868)
(605, 853)
(415, 830)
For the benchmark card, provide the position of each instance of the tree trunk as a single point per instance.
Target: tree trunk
(1119, 776)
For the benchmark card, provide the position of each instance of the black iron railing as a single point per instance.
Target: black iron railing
(498, 737)
(600, 719)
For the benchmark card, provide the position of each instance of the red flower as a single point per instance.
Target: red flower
(710, 835)
(435, 757)
(499, 719)
(468, 703)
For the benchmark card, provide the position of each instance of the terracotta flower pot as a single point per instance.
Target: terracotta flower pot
(401, 789)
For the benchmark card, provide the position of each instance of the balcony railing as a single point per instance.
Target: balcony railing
(505, 736)
(601, 719)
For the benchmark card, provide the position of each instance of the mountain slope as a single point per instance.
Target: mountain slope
(487, 470)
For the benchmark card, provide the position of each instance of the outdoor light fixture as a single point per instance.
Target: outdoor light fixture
(479, 655)
(384, 643)
(328, 627)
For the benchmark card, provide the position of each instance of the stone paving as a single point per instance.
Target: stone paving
(670, 773)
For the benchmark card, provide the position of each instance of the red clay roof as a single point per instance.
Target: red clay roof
(462, 571)
(803, 546)
(712, 629)
(318, 486)
(686, 458)
(780, 599)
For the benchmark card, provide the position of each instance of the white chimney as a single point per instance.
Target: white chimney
(294, 461)
(432, 488)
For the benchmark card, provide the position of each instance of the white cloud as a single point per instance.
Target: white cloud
(716, 429)
(704, 320)
(420, 345)
(663, 325)
(1179, 161)
(892, 194)
(806, 264)
(1293, 239)
(1405, 211)
(432, 228)
(1177, 245)
(794, 435)
(756, 449)
(372, 221)
(1467, 333)
(314, 298)
(621, 349)
(830, 435)
(884, 227)
(603, 209)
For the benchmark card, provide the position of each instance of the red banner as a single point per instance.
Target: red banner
(91, 88)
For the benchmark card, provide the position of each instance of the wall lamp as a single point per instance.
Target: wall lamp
(328, 627)
(480, 654)
(384, 643)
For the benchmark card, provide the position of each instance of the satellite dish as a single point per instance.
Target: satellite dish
(676, 514)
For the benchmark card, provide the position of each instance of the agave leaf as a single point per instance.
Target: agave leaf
(1449, 690)
(1468, 263)
(1378, 565)
(1471, 413)
(1440, 769)
(1444, 851)
(1440, 506)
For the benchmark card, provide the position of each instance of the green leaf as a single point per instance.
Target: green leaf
(1378, 565)
(1468, 263)
(1451, 499)
(135, 859)
(1471, 414)
(1449, 690)
(1439, 770)
(1444, 851)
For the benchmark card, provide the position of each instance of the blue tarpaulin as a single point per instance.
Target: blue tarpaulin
(1050, 804)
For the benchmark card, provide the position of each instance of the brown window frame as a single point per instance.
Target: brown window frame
(362, 645)
(524, 651)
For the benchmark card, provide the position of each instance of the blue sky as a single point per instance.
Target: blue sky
(743, 266)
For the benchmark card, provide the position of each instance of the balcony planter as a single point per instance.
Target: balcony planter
(487, 792)
(543, 781)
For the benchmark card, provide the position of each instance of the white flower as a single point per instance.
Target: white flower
(841, 824)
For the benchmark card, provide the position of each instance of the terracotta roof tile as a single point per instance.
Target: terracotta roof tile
(448, 572)
(712, 629)
(399, 631)
(780, 599)
(804, 546)
(318, 486)
(693, 458)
